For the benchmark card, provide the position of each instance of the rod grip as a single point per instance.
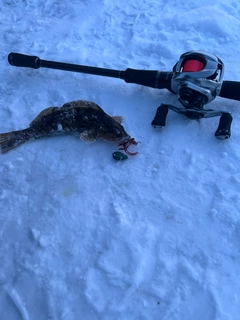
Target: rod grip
(230, 90)
(23, 60)
(154, 79)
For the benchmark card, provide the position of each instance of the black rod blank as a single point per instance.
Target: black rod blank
(23, 60)
(154, 79)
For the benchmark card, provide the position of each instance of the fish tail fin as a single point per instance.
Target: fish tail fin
(13, 139)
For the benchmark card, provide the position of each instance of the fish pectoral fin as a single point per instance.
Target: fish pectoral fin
(88, 136)
(118, 119)
(43, 113)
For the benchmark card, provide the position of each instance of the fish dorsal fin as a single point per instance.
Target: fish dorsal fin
(118, 119)
(43, 113)
(81, 104)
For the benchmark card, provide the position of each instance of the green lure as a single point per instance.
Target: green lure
(117, 155)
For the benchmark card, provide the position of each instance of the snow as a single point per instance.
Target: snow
(84, 236)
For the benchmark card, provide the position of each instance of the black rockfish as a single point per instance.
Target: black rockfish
(82, 118)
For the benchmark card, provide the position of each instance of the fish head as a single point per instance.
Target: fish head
(113, 131)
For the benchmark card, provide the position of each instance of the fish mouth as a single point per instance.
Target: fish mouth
(126, 144)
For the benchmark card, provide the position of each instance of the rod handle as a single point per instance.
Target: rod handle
(230, 90)
(154, 79)
(23, 60)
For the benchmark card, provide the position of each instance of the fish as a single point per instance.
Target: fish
(81, 118)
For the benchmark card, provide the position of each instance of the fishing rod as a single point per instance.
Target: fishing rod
(197, 79)
(154, 79)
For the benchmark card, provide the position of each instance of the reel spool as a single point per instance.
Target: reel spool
(197, 78)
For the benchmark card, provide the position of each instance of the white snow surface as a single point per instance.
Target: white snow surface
(83, 236)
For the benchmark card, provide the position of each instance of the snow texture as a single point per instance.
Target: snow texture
(83, 236)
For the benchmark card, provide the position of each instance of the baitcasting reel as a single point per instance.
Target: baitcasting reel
(197, 80)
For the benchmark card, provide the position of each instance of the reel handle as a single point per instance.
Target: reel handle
(224, 127)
